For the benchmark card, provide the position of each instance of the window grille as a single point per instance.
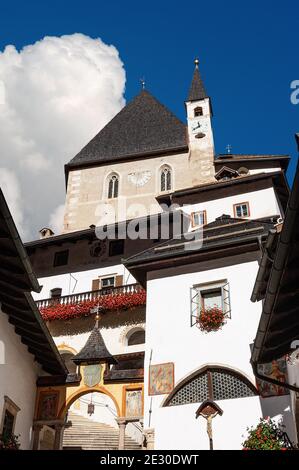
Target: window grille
(113, 186)
(166, 177)
(213, 384)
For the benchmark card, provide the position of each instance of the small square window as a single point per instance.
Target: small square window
(107, 282)
(116, 247)
(61, 258)
(241, 210)
(208, 295)
(198, 218)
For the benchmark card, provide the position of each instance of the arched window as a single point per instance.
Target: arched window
(136, 337)
(165, 179)
(198, 111)
(113, 184)
(67, 359)
(211, 383)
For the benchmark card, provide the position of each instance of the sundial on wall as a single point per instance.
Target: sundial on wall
(139, 178)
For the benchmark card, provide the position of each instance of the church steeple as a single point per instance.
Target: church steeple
(197, 90)
(200, 132)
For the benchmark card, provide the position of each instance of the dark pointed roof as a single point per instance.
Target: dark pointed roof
(94, 351)
(197, 90)
(143, 126)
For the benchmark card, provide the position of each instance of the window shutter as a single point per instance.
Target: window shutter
(226, 299)
(195, 301)
(118, 280)
(95, 284)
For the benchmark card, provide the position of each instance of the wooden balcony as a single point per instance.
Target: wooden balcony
(90, 295)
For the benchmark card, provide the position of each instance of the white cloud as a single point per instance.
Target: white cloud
(55, 95)
(11, 190)
(56, 219)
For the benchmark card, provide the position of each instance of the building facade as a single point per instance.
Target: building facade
(151, 210)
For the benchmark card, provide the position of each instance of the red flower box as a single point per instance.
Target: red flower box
(211, 319)
(123, 301)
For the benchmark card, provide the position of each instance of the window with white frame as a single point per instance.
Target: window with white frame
(209, 295)
(198, 218)
(165, 178)
(113, 186)
(241, 210)
(107, 281)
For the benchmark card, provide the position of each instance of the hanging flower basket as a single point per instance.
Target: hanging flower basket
(267, 435)
(211, 319)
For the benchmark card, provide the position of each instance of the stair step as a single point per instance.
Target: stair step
(87, 434)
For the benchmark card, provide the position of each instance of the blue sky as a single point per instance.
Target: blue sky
(248, 56)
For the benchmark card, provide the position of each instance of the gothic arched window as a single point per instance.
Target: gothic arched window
(165, 179)
(113, 184)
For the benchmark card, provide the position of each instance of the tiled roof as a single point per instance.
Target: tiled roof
(94, 351)
(197, 89)
(143, 126)
(222, 229)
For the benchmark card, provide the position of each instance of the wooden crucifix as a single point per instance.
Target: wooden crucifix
(208, 410)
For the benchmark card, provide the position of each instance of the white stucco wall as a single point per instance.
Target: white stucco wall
(262, 203)
(171, 339)
(114, 338)
(81, 281)
(18, 377)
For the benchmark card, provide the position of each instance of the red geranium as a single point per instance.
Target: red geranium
(123, 301)
(211, 319)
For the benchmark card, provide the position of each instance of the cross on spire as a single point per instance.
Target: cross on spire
(229, 148)
(142, 81)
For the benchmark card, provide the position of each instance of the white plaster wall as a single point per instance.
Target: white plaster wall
(171, 339)
(262, 203)
(177, 427)
(114, 338)
(18, 376)
(263, 170)
(67, 282)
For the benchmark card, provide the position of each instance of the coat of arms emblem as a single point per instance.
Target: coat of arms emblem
(92, 375)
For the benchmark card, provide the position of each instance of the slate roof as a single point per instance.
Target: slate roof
(94, 351)
(143, 126)
(197, 90)
(222, 229)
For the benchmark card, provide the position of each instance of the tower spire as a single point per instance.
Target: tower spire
(197, 89)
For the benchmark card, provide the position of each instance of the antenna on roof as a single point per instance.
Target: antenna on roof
(142, 81)
(228, 149)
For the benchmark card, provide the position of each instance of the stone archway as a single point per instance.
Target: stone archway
(91, 431)
(84, 391)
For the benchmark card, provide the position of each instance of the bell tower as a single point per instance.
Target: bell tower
(200, 133)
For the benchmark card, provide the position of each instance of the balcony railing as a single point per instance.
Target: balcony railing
(89, 295)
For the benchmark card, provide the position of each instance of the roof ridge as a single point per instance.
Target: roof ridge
(144, 125)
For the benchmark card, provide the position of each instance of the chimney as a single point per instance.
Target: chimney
(45, 232)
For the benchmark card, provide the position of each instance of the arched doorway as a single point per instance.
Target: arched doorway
(92, 422)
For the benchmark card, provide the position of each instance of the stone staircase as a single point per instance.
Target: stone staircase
(86, 434)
